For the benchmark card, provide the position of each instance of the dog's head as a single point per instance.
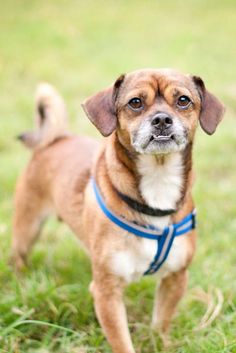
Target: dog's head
(155, 111)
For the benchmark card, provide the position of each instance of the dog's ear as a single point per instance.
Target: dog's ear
(101, 109)
(212, 110)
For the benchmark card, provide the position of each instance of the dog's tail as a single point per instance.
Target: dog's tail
(50, 118)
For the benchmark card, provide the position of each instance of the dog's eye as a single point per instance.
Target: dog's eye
(183, 102)
(135, 104)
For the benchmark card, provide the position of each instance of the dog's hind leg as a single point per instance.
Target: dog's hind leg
(31, 211)
(170, 292)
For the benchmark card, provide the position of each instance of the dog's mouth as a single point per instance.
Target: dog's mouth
(161, 138)
(153, 141)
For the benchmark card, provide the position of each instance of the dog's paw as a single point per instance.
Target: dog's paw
(18, 262)
(166, 341)
(164, 336)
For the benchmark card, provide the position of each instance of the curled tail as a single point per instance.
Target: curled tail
(50, 118)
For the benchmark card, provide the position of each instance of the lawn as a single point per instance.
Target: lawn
(80, 47)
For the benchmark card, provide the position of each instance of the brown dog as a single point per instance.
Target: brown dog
(142, 174)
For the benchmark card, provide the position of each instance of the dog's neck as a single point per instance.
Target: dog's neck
(158, 181)
(161, 183)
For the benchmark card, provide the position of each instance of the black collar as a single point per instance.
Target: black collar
(142, 208)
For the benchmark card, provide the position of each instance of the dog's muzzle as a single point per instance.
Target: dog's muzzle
(162, 124)
(160, 133)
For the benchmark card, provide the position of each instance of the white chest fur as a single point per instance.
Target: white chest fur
(160, 186)
(131, 263)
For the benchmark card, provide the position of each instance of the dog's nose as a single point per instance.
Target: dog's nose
(162, 120)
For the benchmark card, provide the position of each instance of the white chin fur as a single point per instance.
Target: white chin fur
(161, 147)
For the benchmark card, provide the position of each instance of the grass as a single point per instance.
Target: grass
(82, 46)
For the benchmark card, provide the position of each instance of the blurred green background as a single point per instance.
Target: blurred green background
(81, 47)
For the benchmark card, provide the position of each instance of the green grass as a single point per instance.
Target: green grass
(82, 46)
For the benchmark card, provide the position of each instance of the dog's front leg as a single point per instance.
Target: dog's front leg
(111, 313)
(170, 292)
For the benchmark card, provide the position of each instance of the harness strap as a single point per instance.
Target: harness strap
(164, 237)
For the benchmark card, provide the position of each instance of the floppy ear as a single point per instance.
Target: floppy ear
(212, 109)
(101, 109)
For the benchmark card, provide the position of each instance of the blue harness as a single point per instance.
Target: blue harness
(164, 237)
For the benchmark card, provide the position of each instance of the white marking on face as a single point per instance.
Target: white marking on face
(141, 139)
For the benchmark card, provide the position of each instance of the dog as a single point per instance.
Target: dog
(128, 199)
